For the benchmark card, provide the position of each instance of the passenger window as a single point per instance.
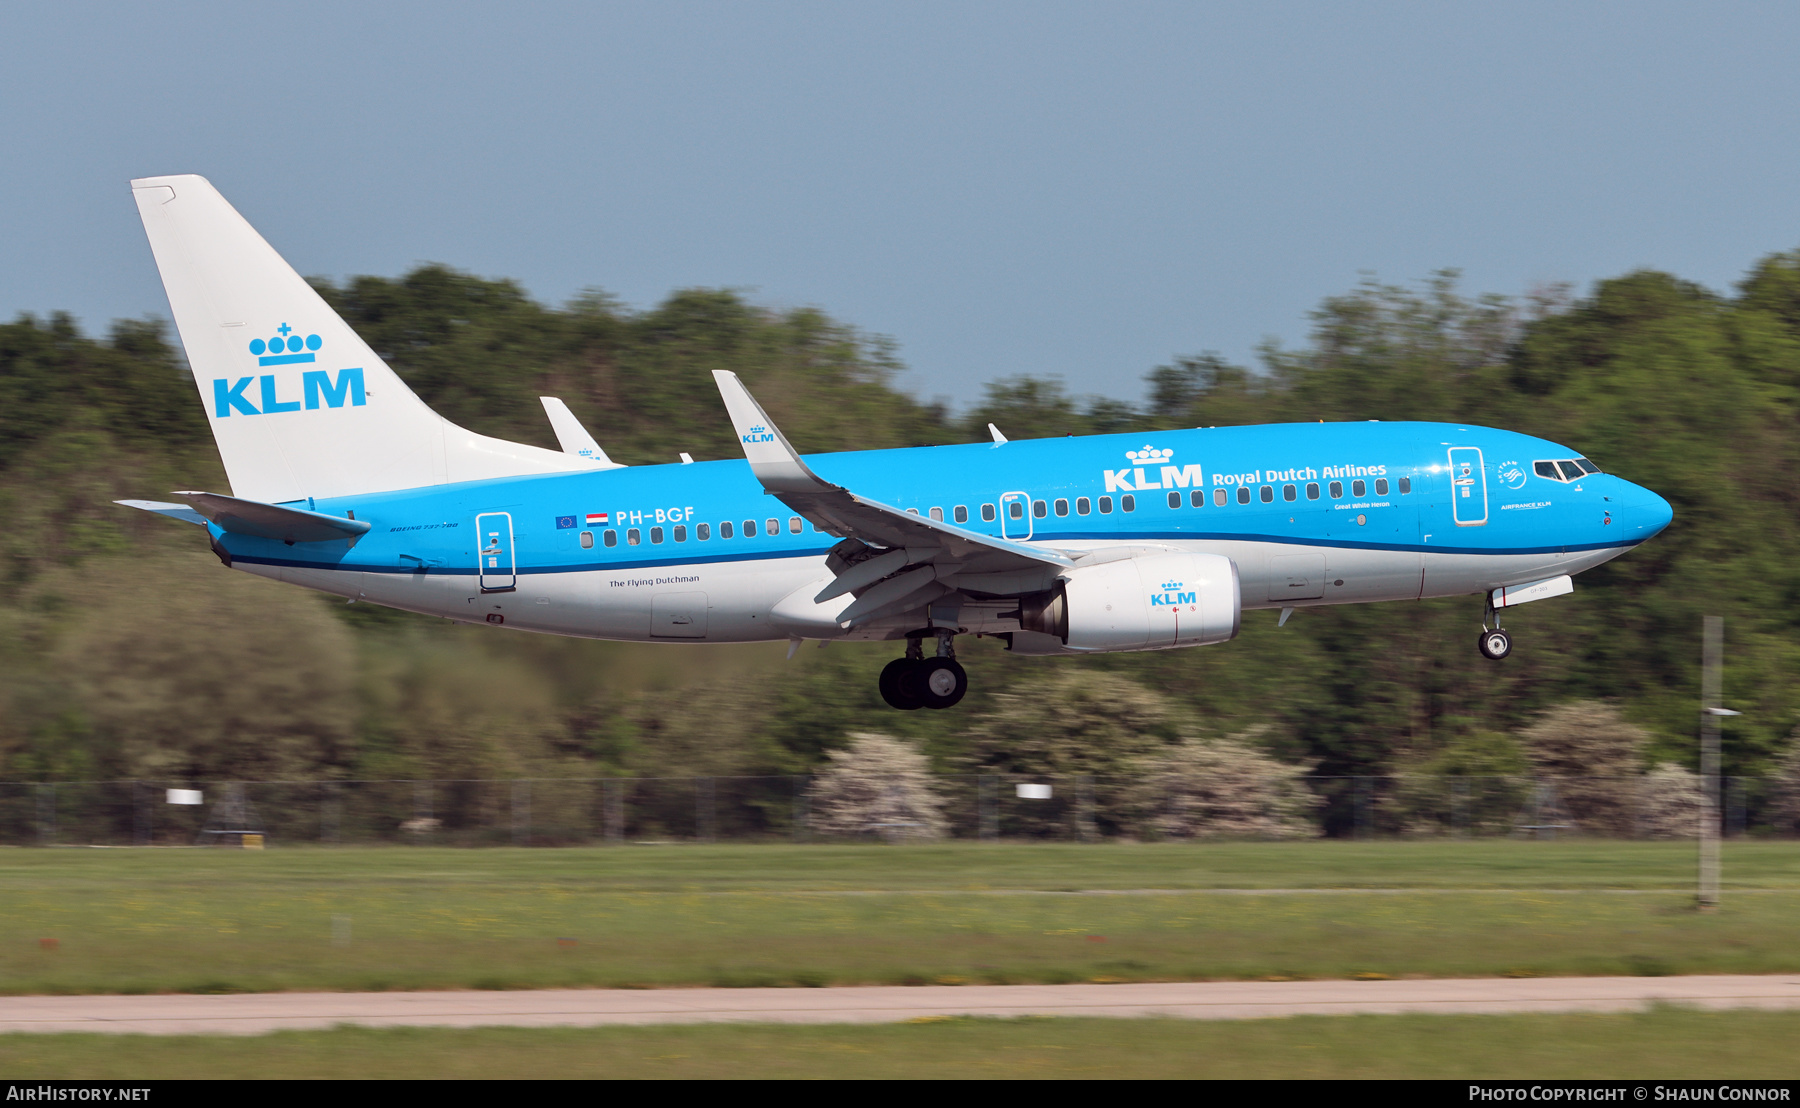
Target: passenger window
(1243, 496)
(962, 513)
(725, 529)
(1312, 491)
(771, 527)
(912, 511)
(1337, 490)
(1587, 466)
(703, 531)
(1082, 507)
(1197, 498)
(611, 538)
(587, 540)
(793, 525)
(1358, 488)
(1289, 493)
(1174, 500)
(1219, 497)
(1040, 509)
(1546, 469)
(1062, 507)
(1571, 471)
(681, 532)
(987, 513)
(633, 537)
(1268, 494)
(1128, 502)
(749, 528)
(1405, 485)
(1106, 505)
(937, 514)
(1015, 509)
(1381, 486)
(656, 535)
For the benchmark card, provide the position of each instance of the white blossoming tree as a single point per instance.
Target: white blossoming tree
(877, 786)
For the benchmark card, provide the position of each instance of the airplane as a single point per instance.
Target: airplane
(344, 481)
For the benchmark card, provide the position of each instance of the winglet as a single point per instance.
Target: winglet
(772, 458)
(572, 436)
(995, 431)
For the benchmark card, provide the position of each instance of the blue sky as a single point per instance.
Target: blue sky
(1073, 190)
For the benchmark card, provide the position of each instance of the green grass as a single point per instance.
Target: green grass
(216, 920)
(1661, 1044)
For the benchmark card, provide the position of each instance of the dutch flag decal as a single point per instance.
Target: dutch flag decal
(596, 517)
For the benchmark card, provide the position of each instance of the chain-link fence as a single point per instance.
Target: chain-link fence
(569, 811)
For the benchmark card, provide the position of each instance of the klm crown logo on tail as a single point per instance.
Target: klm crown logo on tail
(288, 348)
(1172, 476)
(759, 433)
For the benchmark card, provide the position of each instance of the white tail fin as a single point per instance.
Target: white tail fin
(299, 404)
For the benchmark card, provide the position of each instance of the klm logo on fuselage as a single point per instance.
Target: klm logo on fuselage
(1133, 477)
(759, 433)
(1172, 596)
(317, 386)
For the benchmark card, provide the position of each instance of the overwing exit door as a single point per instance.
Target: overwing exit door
(1468, 487)
(1015, 515)
(494, 547)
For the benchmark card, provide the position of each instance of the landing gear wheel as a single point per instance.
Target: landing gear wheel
(897, 686)
(938, 682)
(1495, 644)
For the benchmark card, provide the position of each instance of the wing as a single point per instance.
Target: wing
(893, 559)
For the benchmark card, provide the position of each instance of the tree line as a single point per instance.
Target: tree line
(128, 652)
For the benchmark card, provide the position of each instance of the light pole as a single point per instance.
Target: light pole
(1710, 714)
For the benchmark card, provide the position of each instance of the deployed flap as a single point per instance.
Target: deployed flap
(846, 515)
(572, 436)
(272, 521)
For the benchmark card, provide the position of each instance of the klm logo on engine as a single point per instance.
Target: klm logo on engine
(759, 433)
(317, 386)
(1133, 478)
(1171, 596)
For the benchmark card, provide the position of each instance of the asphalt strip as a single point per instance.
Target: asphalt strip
(258, 1013)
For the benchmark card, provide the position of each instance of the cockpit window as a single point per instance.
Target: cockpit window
(1565, 469)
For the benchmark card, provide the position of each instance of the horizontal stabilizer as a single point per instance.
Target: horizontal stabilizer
(174, 511)
(272, 521)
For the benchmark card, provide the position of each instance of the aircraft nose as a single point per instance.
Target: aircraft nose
(1646, 513)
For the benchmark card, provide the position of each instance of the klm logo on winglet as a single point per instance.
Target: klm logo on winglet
(1132, 479)
(316, 385)
(1172, 596)
(759, 433)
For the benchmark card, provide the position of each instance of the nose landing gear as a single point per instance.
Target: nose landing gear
(1494, 644)
(916, 681)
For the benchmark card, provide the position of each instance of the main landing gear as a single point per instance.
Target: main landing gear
(916, 681)
(1494, 644)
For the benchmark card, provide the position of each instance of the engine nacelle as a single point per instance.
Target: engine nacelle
(1154, 602)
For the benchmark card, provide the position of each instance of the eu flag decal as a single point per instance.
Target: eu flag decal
(563, 523)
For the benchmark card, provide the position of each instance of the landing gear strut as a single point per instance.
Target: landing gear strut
(916, 681)
(1495, 643)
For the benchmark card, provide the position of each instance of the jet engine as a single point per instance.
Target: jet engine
(1153, 602)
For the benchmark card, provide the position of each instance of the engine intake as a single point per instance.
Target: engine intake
(1155, 602)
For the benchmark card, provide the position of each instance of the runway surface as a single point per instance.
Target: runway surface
(257, 1013)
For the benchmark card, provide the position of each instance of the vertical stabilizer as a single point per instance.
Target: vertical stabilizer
(299, 405)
